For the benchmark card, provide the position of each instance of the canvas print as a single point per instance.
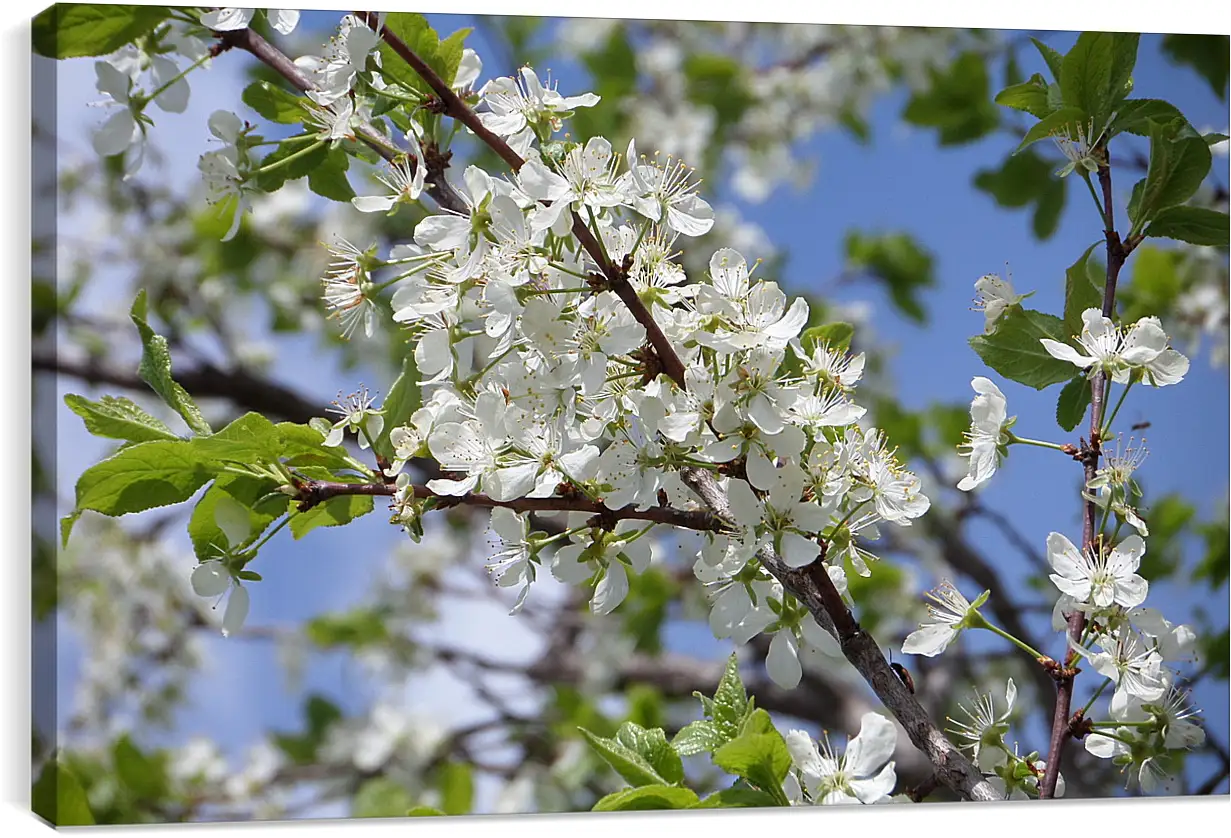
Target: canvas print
(451, 414)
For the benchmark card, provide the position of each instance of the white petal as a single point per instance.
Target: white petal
(782, 661)
(929, 641)
(611, 589)
(237, 611)
(374, 203)
(283, 20)
(233, 519)
(210, 579)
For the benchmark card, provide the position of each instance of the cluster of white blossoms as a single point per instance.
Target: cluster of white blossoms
(539, 381)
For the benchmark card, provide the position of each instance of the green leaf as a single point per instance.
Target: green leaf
(413, 29)
(730, 703)
(956, 101)
(251, 492)
(1055, 61)
(332, 513)
(738, 797)
(250, 439)
(423, 812)
(118, 418)
(629, 764)
(1085, 76)
(320, 715)
(647, 797)
(760, 758)
(74, 30)
(1029, 96)
(1179, 161)
(1195, 225)
(652, 745)
(155, 370)
(1207, 54)
(1083, 289)
(58, 798)
(698, 737)
(143, 476)
(899, 262)
(271, 179)
(715, 81)
(403, 400)
(381, 797)
(1014, 351)
(1123, 60)
(1135, 116)
(1072, 404)
(1057, 122)
(142, 775)
(356, 629)
(456, 788)
(329, 178)
(274, 103)
(837, 336)
(302, 445)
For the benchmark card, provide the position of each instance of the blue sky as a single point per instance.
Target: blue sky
(901, 180)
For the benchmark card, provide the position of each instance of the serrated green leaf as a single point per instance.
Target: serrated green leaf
(75, 30)
(1064, 119)
(1029, 96)
(629, 764)
(1195, 225)
(653, 747)
(1083, 289)
(1135, 116)
(414, 30)
(1085, 75)
(1014, 351)
(302, 445)
(1054, 59)
(329, 178)
(730, 701)
(250, 439)
(302, 156)
(739, 797)
(760, 758)
(647, 797)
(274, 103)
(332, 513)
(143, 476)
(1179, 162)
(155, 370)
(58, 798)
(697, 737)
(1072, 404)
(118, 418)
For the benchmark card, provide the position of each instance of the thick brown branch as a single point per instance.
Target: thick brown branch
(812, 586)
(452, 105)
(314, 492)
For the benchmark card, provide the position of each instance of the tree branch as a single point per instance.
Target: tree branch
(615, 276)
(314, 492)
(812, 586)
(249, 41)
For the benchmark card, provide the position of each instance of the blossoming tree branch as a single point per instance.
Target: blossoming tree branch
(564, 374)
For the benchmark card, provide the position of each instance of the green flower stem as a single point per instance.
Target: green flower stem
(286, 519)
(1098, 204)
(598, 235)
(977, 620)
(569, 271)
(278, 163)
(1105, 431)
(158, 91)
(1040, 443)
(1085, 710)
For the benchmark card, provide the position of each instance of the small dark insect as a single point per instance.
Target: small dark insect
(903, 673)
(1140, 426)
